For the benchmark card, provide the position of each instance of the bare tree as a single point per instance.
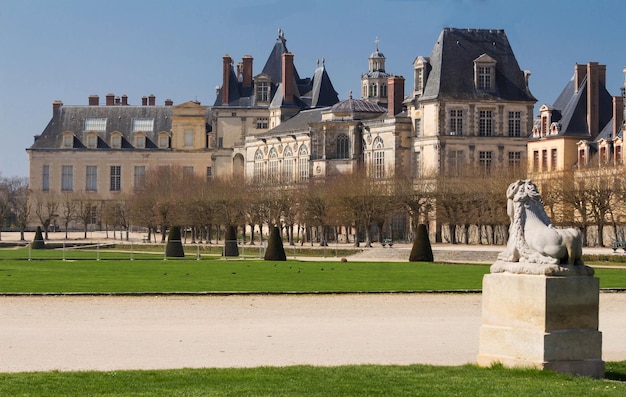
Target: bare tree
(19, 195)
(46, 206)
(68, 209)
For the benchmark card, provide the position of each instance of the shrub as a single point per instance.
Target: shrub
(38, 242)
(174, 246)
(421, 251)
(230, 244)
(275, 250)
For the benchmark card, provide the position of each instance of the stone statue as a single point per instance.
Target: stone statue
(535, 246)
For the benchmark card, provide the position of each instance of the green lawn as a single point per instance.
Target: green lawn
(361, 380)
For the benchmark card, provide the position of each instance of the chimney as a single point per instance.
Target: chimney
(595, 75)
(118, 101)
(56, 106)
(580, 71)
(94, 100)
(151, 100)
(110, 99)
(169, 102)
(247, 70)
(227, 62)
(144, 101)
(124, 100)
(395, 85)
(618, 114)
(288, 79)
(239, 71)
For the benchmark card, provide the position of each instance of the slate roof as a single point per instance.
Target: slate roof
(452, 66)
(298, 123)
(119, 118)
(357, 106)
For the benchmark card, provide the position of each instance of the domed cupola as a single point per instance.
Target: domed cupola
(374, 82)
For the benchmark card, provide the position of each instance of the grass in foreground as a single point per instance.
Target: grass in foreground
(361, 380)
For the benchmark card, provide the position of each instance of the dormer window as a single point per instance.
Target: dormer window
(116, 140)
(419, 68)
(485, 73)
(164, 140)
(140, 141)
(262, 88)
(95, 124)
(68, 140)
(92, 141)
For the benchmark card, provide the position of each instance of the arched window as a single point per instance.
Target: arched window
(379, 158)
(288, 162)
(303, 163)
(273, 166)
(259, 166)
(343, 147)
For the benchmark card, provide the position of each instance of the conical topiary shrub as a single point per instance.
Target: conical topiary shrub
(421, 251)
(174, 246)
(275, 250)
(230, 244)
(38, 242)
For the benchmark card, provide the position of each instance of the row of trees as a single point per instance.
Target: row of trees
(14, 203)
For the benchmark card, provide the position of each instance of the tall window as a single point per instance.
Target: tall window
(164, 141)
(262, 91)
(419, 80)
(515, 160)
(259, 166)
(456, 122)
(554, 159)
(379, 159)
(544, 160)
(188, 138)
(262, 123)
(92, 141)
(456, 161)
(288, 162)
(484, 78)
(273, 164)
(209, 173)
(303, 163)
(116, 178)
(383, 90)
(140, 141)
(116, 141)
(67, 178)
(581, 157)
(373, 91)
(91, 178)
(484, 161)
(139, 176)
(485, 123)
(515, 124)
(45, 178)
(536, 160)
(68, 141)
(343, 147)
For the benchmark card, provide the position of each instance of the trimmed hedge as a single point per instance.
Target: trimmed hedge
(275, 250)
(38, 242)
(421, 250)
(230, 245)
(174, 246)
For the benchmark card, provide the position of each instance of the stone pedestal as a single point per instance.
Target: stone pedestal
(543, 322)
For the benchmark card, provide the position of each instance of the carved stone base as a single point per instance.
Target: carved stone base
(524, 267)
(542, 322)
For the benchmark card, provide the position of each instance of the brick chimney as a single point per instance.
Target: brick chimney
(144, 101)
(151, 100)
(247, 71)
(618, 114)
(118, 100)
(227, 62)
(56, 106)
(169, 102)
(110, 99)
(124, 100)
(94, 100)
(395, 86)
(596, 76)
(288, 79)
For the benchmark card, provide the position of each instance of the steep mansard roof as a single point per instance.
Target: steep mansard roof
(118, 119)
(452, 66)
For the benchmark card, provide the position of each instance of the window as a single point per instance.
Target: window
(419, 80)
(45, 178)
(484, 73)
(67, 178)
(456, 122)
(418, 127)
(140, 141)
(484, 161)
(544, 160)
(262, 123)
(383, 90)
(379, 159)
(373, 90)
(273, 166)
(343, 147)
(116, 178)
(485, 123)
(139, 176)
(262, 91)
(418, 164)
(303, 163)
(456, 162)
(259, 166)
(188, 138)
(68, 140)
(581, 157)
(536, 160)
(164, 141)
(91, 178)
(364, 91)
(209, 173)
(116, 141)
(618, 155)
(515, 160)
(553, 159)
(484, 78)
(515, 124)
(288, 162)
(95, 124)
(92, 141)
(93, 214)
(142, 125)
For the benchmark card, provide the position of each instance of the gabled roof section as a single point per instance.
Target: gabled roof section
(298, 123)
(452, 62)
(274, 64)
(322, 93)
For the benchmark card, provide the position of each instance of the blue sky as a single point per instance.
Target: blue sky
(70, 49)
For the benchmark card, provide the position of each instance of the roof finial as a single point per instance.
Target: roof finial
(350, 94)
(317, 63)
(376, 41)
(323, 61)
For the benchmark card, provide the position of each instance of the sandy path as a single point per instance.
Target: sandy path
(109, 333)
